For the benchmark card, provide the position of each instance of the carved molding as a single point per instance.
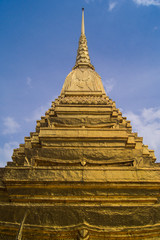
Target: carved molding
(93, 100)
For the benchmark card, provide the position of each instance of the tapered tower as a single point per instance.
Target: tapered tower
(83, 174)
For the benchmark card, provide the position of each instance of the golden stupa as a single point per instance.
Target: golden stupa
(83, 174)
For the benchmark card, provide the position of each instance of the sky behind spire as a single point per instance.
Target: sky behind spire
(39, 42)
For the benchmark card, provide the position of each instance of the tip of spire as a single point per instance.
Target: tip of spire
(82, 27)
(83, 59)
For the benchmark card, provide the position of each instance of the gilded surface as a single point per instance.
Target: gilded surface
(83, 79)
(83, 174)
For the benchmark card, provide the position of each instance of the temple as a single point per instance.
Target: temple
(83, 174)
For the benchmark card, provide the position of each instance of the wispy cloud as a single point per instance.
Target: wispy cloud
(10, 126)
(147, 2)
(109, 85)
(89, 1)
(111, 6)
(155, 28)
(37, 113)
(6, 152)
(40, 111)
(28, 81)
(147, 124)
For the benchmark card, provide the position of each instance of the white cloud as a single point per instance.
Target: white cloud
(111, 6)
(40, 111)
(10, 126)
(108, 85)
(155, 28)
(37, 113)
(6, 152)
(89, 1)
(28, 81)
(147, 2)
(147, 124)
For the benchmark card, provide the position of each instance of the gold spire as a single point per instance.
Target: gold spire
(82, 26)
(83, 59)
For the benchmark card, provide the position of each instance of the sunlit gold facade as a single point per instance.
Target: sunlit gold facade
(83, 174)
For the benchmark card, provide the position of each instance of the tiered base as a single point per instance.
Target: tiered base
(82, 203)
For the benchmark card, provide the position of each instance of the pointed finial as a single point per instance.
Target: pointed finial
(82, 26)
(83, 59)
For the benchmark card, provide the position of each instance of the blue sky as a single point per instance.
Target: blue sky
(39, 41)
